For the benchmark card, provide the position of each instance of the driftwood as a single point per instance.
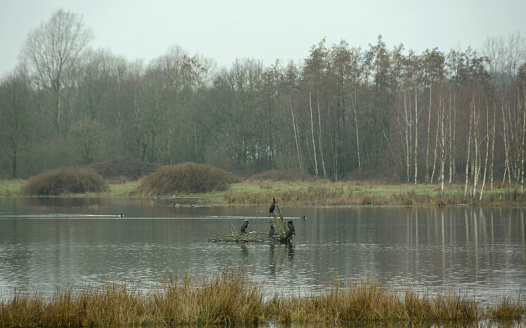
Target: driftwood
(282, 234)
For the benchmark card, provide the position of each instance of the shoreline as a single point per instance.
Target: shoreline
(356, 193)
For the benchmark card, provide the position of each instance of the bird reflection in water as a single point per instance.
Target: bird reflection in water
(272, 260)
(290, 251)
(244, 250)
(279, 255)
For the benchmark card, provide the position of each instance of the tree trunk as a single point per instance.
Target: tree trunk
(296, 138)
(442, 145)
(469, 151)
(357, 132)
(452, 127)
(492, 148)
(506, 150)
(487, 153)
(407, 130)
(312, 134)
(416, 134)
(320, 142)
(428, 133)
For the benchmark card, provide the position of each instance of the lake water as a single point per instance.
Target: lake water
(48, 243)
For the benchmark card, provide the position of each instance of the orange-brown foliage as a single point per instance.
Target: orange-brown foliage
(185, 178)
(65, 181)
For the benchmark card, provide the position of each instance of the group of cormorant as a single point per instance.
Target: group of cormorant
(271, 209)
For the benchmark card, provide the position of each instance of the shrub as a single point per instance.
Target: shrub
(65, 181)
(129, 168)
(186, 178)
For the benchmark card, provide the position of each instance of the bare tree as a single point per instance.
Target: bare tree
(17, 118)
(88, 137)
(51, 52)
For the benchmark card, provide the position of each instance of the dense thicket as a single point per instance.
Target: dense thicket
(185, 178)
(65, 181)
(390, 113)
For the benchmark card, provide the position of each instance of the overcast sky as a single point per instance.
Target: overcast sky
(224, 30)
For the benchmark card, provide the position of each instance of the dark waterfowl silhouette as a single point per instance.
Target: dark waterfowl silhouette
(272, 207)
(291, 227)
(271, 232)
(244, 227)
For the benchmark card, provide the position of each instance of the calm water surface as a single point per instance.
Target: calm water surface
(50, 243)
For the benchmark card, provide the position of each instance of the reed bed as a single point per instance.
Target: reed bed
(228, 297)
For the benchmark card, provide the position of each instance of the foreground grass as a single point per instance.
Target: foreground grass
(229, 297)
(321, 193)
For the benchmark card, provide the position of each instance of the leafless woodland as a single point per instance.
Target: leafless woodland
(342, 112)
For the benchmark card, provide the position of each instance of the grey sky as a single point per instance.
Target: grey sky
(265, 30)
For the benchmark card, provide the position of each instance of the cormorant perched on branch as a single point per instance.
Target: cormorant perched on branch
(244, 227)
(271, 232)
(291, 227)
(272, 207)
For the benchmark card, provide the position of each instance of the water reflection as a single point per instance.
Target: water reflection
(46, 243)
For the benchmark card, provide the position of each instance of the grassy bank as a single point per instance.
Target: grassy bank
(363, 193)
(229, 297)
(321, 193)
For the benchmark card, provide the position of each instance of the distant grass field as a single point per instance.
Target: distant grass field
(320, 192)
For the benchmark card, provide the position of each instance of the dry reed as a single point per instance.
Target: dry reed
(229, 297)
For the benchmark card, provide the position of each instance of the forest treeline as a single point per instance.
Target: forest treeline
(342, 112)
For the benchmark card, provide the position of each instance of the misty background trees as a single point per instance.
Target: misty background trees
(343, 112)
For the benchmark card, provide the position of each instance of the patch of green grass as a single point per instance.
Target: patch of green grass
(122, 189)
(11, 187)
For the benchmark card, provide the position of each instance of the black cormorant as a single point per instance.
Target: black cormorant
(244, 226)
(272, 207)
(271, 232)
(291, 227)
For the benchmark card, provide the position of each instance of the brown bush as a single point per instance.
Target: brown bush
(286, 176)
(65, 181)
(186, 178)
(127, 168)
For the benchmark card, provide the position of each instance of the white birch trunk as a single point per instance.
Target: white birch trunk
(442, 145)
(416, 134)
(312, 134)
(407, 130)
(487, 153)
(428, 132)
(320, 142)
(506, 151)
(452, 126)
(435, 154)
(355, 110)
(469, 152)
(296, 139)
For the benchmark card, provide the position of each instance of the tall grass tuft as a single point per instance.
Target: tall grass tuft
(507, 308)
(225, 298)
